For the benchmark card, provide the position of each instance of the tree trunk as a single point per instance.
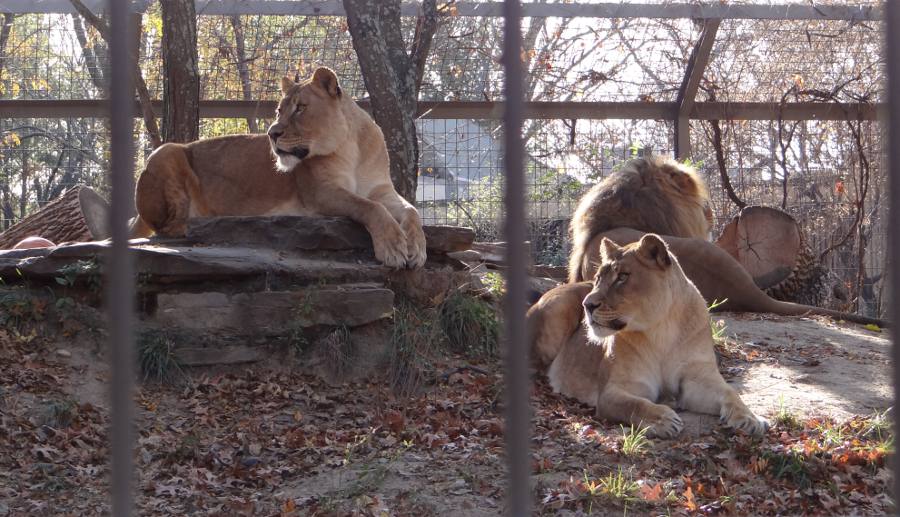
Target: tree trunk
(390, 75)
(78, 215)
(240, 51)
(140, 85)
(181, 73)
(23, 198)
(5, 30)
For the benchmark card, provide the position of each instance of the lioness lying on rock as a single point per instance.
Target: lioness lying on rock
(646, 335)
(323, 155)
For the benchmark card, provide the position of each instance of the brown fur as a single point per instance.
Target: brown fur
(323, 155)
(655, 194)
(646, 336)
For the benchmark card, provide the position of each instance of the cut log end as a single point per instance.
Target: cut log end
(766, 241)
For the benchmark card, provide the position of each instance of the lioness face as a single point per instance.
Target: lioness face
(630, 292)
(309, 120)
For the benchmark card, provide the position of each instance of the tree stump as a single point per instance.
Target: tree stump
(766, 241)
(79, 215)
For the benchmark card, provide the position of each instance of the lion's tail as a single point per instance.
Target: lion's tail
(138, 228)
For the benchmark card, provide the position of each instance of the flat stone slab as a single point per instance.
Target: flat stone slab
(273, 312)
(311, 233)
(197, 264)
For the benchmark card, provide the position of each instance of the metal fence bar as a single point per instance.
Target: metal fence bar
(120, 270)
(892, 53)
(518, 386)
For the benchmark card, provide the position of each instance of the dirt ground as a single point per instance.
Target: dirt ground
(814, 367)
(269, 439)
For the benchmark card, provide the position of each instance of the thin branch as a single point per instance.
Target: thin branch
(140, 85)
(426, 27)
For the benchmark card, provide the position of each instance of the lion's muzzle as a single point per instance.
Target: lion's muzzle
(599, 315)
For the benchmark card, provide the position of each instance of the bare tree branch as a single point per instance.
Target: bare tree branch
(240, 51)
(426, 27)
(149, 116)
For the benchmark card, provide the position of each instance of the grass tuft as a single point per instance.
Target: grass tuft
(339, 350)
(470, 325)
(634, 440)
(785, 418)
(413, 337)
(59, 414)
(618, 486)
(789, 465)
(157, 358)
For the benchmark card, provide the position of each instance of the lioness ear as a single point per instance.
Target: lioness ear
(327, 79)
(654, 250)
(609, 250)
(287, 84)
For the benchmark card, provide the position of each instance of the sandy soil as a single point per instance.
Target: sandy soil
(814, 366)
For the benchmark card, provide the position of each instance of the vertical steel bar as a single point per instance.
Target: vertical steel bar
(892, 54)
(120, 270)
(518, 386)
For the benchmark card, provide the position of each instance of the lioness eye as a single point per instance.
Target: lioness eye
(299, 108)
(622, 278)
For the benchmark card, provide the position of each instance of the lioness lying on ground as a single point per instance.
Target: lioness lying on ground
(323, 155)
(646, 335)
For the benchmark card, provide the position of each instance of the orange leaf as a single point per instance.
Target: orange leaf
(651, 494)
(395, 421)
(289, 508)
(689, 502)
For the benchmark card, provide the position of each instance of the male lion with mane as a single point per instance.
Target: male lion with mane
(323, 155)
(655, 195)
(647, 337)
(659, 195)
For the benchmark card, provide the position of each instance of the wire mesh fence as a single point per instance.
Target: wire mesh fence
(812, 168)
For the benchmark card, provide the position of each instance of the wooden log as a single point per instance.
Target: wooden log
(79, 215)
(766, 241)
(310, 233)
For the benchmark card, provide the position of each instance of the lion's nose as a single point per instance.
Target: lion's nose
(275, 133)
(589, 306)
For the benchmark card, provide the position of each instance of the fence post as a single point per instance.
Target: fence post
(892, 55)
(518, 387)
(119, 268)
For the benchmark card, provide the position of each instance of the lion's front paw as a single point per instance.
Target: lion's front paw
(743, 420)
(391, 247)
(667, 425)
(415, 242)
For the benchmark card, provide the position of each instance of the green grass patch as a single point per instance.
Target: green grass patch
(469, 324)
(784, 418)
(789, 465)
(634, 440)
(60, 414)
(156, 357)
